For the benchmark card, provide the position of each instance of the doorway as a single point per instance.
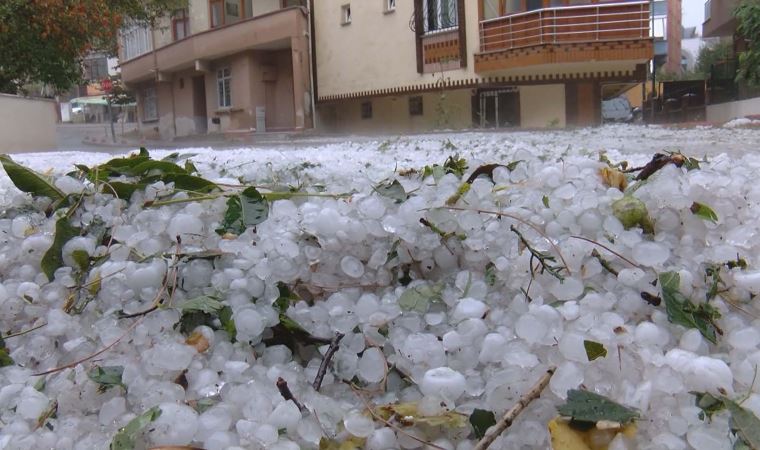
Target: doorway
(498, 108)
(199, 105)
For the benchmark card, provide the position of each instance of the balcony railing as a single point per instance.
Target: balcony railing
(571, 24)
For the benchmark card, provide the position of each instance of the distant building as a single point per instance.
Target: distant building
(418, 64)
(719, 18)
(221, 66)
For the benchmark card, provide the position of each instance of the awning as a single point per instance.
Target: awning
(95, 100)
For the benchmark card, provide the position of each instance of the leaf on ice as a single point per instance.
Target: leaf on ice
(490, 274)
(106, 377)
(545, 201)
(419, 297)
(744, 423)
(682, 311)
(203, 303)
(632, 212)
(613, 178)
(703, 211)
(594, 350)
(29, 181)
(481, 420)
(408, 414)
(53, 258)
(393, 190)
(5, 359)
(587, 408)
(126, 438)
(350, 443)
(247, 209)
(81, 258)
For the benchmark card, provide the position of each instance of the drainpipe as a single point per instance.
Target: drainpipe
(311, 67)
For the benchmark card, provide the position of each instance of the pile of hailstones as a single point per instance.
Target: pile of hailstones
(480, 344)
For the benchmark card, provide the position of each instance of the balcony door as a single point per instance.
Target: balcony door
(498, 108)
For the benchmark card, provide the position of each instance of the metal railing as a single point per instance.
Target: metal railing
(436, 16)
(582, 23)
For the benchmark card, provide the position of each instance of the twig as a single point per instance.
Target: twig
(282, 386)
(606, 264)
(98, 353)
(544, 259)
(388, 423)
(334, 344)
(21, 333)
(606, 248)
(521, 220)
(514, 411)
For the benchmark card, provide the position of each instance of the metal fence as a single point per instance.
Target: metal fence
(439, 15)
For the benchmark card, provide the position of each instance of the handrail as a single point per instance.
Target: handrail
(590, 22)
(565, 8)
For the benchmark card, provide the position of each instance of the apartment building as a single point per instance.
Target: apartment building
(408, 65)
(221, 66)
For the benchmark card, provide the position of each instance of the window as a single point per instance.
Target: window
(345, 14)
(530, 5)
(95, 69)
(223, 78)
(135, 41)
(389, 6)
(440, 14)
(180, 24)
(415, 106)
(216, 8)
(150, 104)
(366, 110)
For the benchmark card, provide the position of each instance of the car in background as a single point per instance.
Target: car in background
(617, 109)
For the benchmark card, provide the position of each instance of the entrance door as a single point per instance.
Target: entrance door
(199, 105)
(499, 108)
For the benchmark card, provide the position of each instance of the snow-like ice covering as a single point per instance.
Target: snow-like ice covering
(481, 345)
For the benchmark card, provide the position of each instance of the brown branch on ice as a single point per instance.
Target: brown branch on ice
(511, 414)
(282, 386)
(334, 344)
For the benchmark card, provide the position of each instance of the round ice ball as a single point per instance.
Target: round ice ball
(443, 382)
(176, 425)
(351, 266)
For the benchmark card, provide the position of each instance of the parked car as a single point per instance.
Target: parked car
(617, 109)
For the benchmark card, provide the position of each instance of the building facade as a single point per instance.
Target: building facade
(407, 65)
(221, 66)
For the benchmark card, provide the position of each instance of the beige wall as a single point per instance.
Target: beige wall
(542, 106)
(265, 6)
(27, 124)
(723, 112)
(377, 50)
(391, 114)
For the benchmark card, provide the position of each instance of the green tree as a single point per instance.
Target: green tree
(44, 41)
(748, 26)
(713, 55)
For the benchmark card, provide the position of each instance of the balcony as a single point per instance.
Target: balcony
(270, 31)
(583, 33)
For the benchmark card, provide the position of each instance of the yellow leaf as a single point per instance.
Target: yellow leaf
(408, 414)
(613, 178)
(94, 286)
(564, 437)
(351, 443)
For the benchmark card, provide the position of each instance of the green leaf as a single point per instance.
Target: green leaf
(588, 407)
(29, 181)
(632, 212)
(545, 201)
(513, 165)
(744, 424)
(709, 404)
(191, 320)
(490, 275)
(5, 359)
(481, 421)
(126, 438)
(53, 258)
(682, 311)
(81, 258)
(204, 303)
(144, 152)
(189, 182)
(419, 297)
(703, 211)
(456, 165)
(152, 167)
(107, 377)
(594, 350)
(393, 190)
(228, 325)
(124, 190)
(247, 209)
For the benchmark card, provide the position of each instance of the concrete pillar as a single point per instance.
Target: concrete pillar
(301, 82)
(673, 61)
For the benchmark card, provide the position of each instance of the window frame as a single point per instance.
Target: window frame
(416, 106)
(224, 87)
(365, 110)
(345, 14)
(180, 17)
(150, 104)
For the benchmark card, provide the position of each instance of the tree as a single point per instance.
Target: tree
(45, 40)
(748, 26)
(713, 55)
